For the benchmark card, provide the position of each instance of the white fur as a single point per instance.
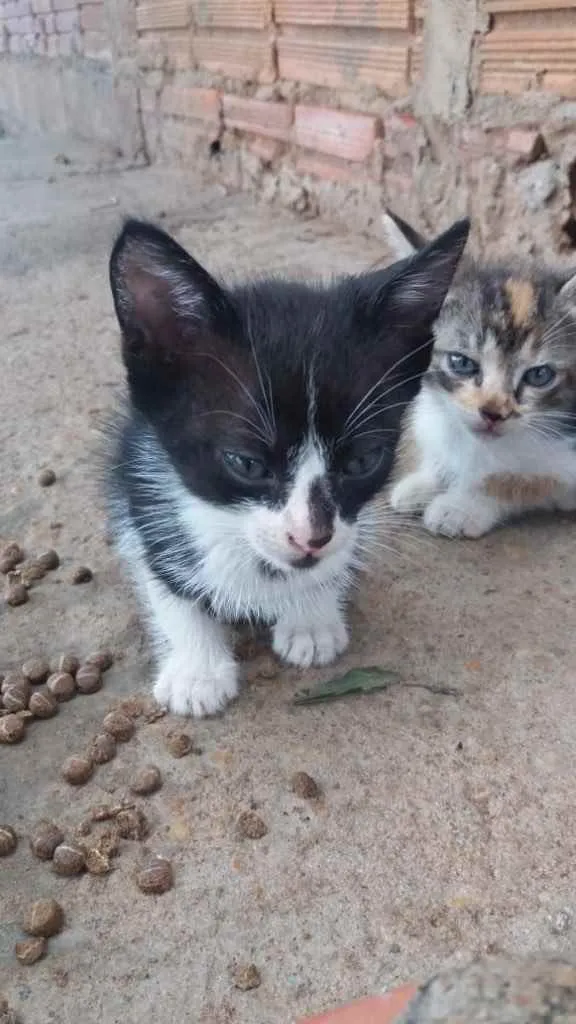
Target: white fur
(454, 463)
(397, 241)
(197, 674)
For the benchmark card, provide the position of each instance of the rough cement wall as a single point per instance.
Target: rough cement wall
(436, 107)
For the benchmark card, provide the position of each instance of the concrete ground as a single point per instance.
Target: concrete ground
(447, 824)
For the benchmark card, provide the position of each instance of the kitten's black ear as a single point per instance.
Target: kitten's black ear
(163, 298)
(414, 296)
(402, 238)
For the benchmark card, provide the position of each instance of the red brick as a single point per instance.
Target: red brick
(341, 60)
(326, 167)
(267, 150)
(64, 5)
(92, 18)
(393, 14)
(66, 21)
(172, 50)
(271, 119)
(188, 102)
(335, 132)
(236, 55)
(237, 14)
(41, 6)
(160, 14)
(526, 144)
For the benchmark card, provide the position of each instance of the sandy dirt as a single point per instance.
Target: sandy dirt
(446, 826)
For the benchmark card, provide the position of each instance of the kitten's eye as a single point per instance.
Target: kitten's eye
(539, 376)
(245, 467)
(462, 365)
(362, 465)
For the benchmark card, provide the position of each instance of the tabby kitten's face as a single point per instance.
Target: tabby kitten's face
(505, 352)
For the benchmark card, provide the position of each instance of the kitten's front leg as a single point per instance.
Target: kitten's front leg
(413, 492)
(312, 633)
(461, 513)
(197, 673)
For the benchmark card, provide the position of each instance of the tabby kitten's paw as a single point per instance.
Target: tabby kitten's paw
(462, 515)
(313, 644)
(413, 492)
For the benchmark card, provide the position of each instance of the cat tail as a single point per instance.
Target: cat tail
(403, 239)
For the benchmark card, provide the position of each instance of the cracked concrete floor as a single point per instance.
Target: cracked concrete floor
(447, 824)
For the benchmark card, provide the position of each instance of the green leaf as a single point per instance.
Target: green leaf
(357, 680)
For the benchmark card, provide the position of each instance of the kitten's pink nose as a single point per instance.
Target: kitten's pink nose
(311, 545)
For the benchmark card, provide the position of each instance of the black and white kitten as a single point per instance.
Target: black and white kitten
(262, 420)
(492, 432)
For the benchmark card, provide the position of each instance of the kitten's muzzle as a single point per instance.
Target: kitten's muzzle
(310, 547)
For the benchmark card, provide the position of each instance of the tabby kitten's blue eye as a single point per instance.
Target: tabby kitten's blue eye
(539, 376)
(362, 465)
(462, 365)
(245, 467)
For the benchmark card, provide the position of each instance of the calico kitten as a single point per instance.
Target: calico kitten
(261, 421)
(493, 431)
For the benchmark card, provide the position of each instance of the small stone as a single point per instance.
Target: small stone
(88, 679)
(31, 950)
(246, 977)
(12, 729)
(10, 556)
(109, 843)
(65, 663)
(61, 685)
(251, 826)
(46, 478)
(43, 704)
(49, 560)
(156, 876)
(303, 785)
(132, 824)
(35, 670)
(102, 749)
(45, 838)
(69, 859)
(82, 574)
(77, 770)
(43, 917)
(119, 726)
(179, 743)
(97, 863)
(13, 678)
(146, 781)
(16, 595)
(30, 573)
(8, 840)
(561, 922)
(103, 660)
(15, 698)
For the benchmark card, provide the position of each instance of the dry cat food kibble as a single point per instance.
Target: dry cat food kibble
(10, 556)
(49, 560)
(156, 876)
(82, 574)
(46, 478)
(132, 823)
(65, 663)
(61, 685)
(146, 781)
(44, 917)
(43, 704)
(12, 729)
(15, 698)
(119, 726)
(88, 679)
(305, 786)
(30, 573)
(35, 670)
(179, 743)
(45, 838)
(13, 678)
(102, 748)
(246, 977)
(8, 840)
(77, 770)
(31, 950)
(16, 594)
(103, 660)
(251, 826)
(69, 859)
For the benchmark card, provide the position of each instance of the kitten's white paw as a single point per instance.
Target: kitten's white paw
(183, 688)
(456, 515)
(413, 492)
(303, 645)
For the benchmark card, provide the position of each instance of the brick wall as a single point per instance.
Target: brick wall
(339, 106)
